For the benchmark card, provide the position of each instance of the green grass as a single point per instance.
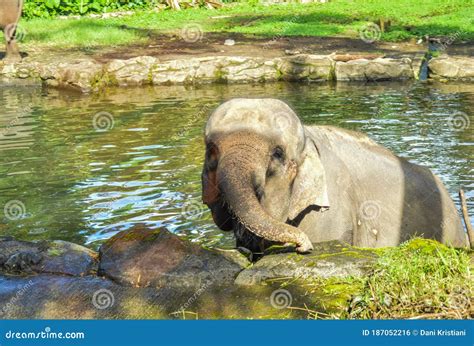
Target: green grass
(342, 18)
(419, 279)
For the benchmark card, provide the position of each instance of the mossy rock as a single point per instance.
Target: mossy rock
(328, 259)
(144, 257)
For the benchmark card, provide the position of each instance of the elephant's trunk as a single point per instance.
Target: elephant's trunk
(237, 176)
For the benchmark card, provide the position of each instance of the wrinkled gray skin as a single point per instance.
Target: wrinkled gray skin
(274, 181)
(10, 13)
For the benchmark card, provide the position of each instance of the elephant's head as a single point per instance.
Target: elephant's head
(261, 172)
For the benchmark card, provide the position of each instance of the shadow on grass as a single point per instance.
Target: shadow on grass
(322, 31)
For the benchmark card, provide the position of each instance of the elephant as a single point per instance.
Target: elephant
(10, 13)
(274, 181)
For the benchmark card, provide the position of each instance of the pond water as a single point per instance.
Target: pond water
(81, 168)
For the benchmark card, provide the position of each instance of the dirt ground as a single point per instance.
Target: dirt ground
(169, 47)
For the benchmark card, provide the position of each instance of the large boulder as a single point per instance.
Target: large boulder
(452, 68)
(327, 260)
(372, 70)
(143, 257)
(52, 257)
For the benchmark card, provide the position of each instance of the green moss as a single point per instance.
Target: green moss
(140, 235)
(220, 76)
(352, 254)
(54, 252)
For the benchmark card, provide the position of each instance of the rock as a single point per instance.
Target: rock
(157, 258)
(229, 42)
(371, 70)
(135, 71)
(349, 57)
(328, 259)
(9, 70)
(306, 67)
(54, 257)
(292, 52)
(49, 296)
(452, 68)
(176, 71)
(214, 69)
(243, 69)
(83, 75)
(91, 76)
(90, 297)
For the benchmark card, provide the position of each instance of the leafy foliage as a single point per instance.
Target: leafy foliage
(52, 8)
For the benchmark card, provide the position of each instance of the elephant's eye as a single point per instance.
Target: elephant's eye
(278, 154)
(211, 157)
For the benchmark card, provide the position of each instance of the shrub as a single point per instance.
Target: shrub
(52, 8)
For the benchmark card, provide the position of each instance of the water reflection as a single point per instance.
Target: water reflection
(83, 184)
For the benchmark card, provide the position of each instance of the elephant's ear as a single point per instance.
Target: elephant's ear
(309, 186)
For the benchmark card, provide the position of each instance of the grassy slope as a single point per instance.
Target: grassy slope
(419, 279)
(336, 18)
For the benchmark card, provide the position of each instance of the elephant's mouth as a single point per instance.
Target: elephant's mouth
(244, 237)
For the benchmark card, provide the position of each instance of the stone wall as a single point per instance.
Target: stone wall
(90, 76)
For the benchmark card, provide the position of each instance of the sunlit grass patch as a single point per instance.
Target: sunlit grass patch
(419, 279)
(336, 18)
(79, 33)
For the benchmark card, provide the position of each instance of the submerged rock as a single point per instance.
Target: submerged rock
(143, 257)
(328, 259)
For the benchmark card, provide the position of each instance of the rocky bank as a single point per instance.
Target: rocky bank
(89, 75)
(145, 273)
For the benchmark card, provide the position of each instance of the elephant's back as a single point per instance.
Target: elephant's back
(402, 199)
